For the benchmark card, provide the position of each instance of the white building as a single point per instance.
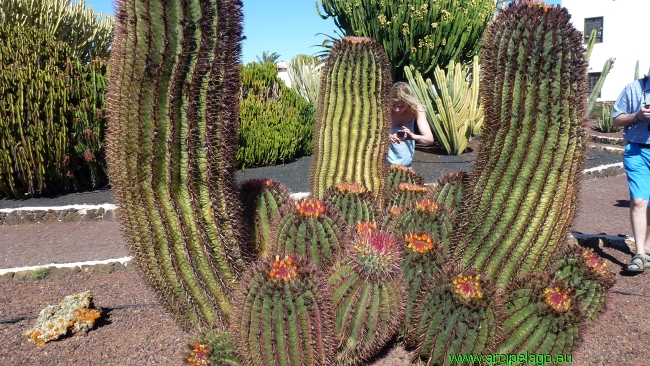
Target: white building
(624, 34)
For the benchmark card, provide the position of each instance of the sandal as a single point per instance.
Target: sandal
(638, 263)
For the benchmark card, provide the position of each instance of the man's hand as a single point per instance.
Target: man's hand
(644, 113)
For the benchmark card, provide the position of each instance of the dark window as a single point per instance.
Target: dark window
(593, 79)
(594, 23)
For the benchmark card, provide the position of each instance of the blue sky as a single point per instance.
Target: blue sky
(287, 27)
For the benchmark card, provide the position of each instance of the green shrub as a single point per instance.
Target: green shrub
(84, 31)
(606, 122)
(51, 116)
(276, 124)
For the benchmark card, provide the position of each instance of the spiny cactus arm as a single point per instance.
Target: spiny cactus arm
(599, 85)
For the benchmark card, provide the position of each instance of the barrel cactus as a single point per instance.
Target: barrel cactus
(521, 197)
(284, 315)
(353, 118)
(455, 313)
(587, 275)
(262, 199)
(448, 189)
(213, 347)
(405, 193)
(353, 201)
(540, 316)
(427, 216)
(171, 150)
(368, 295)
(309, 228)
(402, 174)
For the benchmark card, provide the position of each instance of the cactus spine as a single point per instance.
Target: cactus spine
(171, 150)
(353, 118)
(405, 193)
(368, 294)
(284, 315)
(262, 199)
(311, 229)
(213, 348)
(426, 216)
(521, 197)
(448, 190)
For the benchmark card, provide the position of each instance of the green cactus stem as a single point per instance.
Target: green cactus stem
(284, 315)
(368, 295)
(353, 118)
(172, 134)
(400, 174)
(521, 196)
(262, 199)
(541, 316)
(426, 216)
(353, 201)
(405, 193)
(448, 190)
(422, 259)
(587, 275)
(309, 228)
(455, 313)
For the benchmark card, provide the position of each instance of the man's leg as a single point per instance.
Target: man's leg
(639, 218)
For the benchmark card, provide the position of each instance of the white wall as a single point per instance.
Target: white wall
(626, 37)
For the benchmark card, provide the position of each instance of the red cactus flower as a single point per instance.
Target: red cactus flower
(597, 264)
(557, 298)
(419, 242)
(199, 355)
(468, 287)
(283, 270)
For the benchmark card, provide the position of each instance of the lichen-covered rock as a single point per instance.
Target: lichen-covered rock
(73, 314)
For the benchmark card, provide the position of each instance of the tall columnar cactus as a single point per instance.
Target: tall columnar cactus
(449, 189)
(587, 276)
(455, 313)
(353, 201)
(368, 294)
(540, 316)
(309, 228)
(521, 197)
(172, 136)
(400, 174)
(353, 118)
(284, 315)
(262, 199)
(426, 216)
(415, 32)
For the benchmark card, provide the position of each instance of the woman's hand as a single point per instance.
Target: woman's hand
(406, 134)
(394, 139)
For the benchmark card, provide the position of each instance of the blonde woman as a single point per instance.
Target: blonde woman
(406, 112)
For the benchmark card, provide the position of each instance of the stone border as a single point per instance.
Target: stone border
(608, 140)
(72, 213)
(61, 271)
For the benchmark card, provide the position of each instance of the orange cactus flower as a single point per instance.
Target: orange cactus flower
(408, 187)
(419, 242)
(557, 298)
(596, 263)
(427, 205)
(283, 270)
(199, 355)
(365, 227)
(350, 187)
(310, 208)
(468, 287)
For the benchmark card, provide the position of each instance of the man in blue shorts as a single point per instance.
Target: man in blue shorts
(632, 111)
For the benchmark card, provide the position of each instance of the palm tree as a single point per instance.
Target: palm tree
(267, 56)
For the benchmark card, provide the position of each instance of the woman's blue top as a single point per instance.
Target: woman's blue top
(403, 152)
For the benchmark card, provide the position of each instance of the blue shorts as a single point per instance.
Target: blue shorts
(636, 161)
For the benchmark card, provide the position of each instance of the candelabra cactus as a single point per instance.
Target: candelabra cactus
(262, 199)
(587, 275)
(521, 196)
(540, 316)
(368, 295)
(405, 193)
(284, 315)
(454, 313)
(448, 190)
(353, 201)
(401, 174)
(170, 150)
(353, 118)
(309, 228)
